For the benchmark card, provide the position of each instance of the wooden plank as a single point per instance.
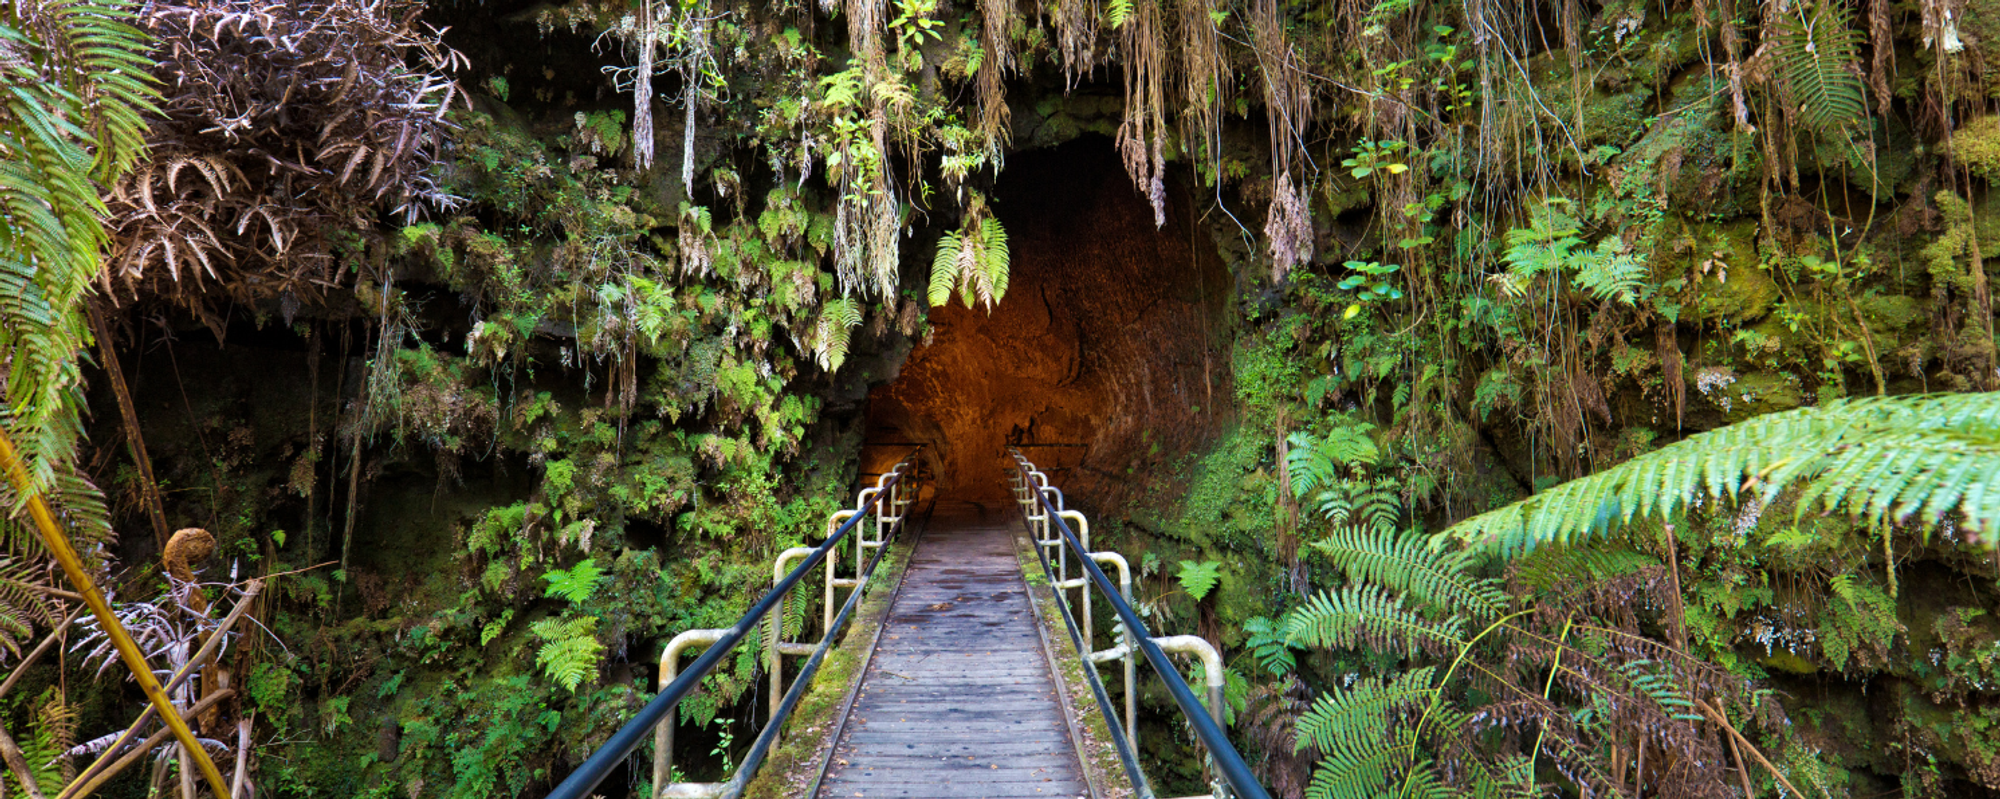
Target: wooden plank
(958, 702)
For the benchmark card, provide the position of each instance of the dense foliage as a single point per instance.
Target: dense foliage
(567, 309)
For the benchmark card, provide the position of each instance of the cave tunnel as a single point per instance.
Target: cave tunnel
(1106, 359)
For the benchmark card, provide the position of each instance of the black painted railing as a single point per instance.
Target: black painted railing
(583, 782)
(1228, 762)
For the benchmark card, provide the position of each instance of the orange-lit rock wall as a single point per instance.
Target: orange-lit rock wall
(1107, 351)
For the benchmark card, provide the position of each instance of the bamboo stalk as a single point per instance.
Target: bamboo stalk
(76, 791)
(250, 592)
(128, 650)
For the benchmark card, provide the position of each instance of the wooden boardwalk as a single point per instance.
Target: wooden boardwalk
(958, 701)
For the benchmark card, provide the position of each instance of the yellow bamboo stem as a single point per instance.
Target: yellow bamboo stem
(128, 651)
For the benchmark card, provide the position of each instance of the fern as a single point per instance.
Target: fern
(1266, 641)
(1607, 273)
(575, 585)
(1362, 614)
(1818, 55)
(972, 261)
(74, 80)
(1408, 565)
(834, 330)
(1118, 12)
(1199, 578)
(1356, 730)
(570, 651)
(1928, 458)
(49, 742)
(1449, 726)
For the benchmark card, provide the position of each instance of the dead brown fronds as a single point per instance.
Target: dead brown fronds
(283, 121)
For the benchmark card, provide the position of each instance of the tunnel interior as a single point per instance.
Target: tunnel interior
(1106, 359)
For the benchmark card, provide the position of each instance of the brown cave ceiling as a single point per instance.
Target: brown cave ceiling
(1106, 359)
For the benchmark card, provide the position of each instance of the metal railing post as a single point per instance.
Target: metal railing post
(1124, 652)
(833, 522)
(1041, 513)
(663, 735)
(658, 714)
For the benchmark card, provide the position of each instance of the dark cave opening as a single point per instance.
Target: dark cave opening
(1108, 355)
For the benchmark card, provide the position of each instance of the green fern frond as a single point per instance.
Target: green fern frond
(1359, 613)
(1818, 55)
(1407, 564)
(1357, 717)
(1565, 566)
(570, 651)
(1118, 12)
(834, 331)
(575, 585)
(1927, 458)
(76, 83)
(1606, 274)
(972, 261)
(1199, 578)
(944, 270)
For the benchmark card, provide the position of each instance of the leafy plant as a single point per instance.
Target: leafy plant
(972, 260)
(1930, 458)
(832, 332)
(570, 651)
(1817, 55)
(76, 88)
(575, 585)
(1197, 579)
(1551, 244)
(1499, 681)
(1372, 282)
(1266, 641)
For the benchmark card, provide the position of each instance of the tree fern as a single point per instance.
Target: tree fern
(1407, 564)
(1818, 59)
(1927, 458)
(75, 87)
(1361, 614)
(1496, 682)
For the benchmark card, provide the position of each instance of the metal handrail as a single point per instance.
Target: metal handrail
(585, 779)
(1229, 763)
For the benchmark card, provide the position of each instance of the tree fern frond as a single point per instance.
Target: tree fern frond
(1357, 717)
(1928, 458)
(1406, 563)
(1359, 614)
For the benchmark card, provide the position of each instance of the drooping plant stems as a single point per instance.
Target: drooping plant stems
(128, 650)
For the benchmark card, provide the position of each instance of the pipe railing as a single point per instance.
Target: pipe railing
(1050, 520)
(890, 498)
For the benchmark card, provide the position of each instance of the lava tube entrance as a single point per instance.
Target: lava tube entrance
(1105, 359)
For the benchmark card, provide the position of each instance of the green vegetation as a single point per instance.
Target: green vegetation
(1592, 378)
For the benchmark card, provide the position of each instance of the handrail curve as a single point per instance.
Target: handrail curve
(1033, 490)
(583, 781)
